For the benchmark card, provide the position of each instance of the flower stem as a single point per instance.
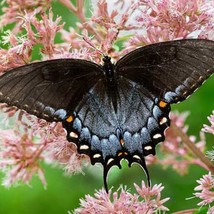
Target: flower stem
(185, 139)
(190, 211)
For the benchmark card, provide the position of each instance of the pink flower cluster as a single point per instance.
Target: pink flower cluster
(20, 157)
(168, 20)
(209, 129)
(21, 47)
(176, 154)
(15, 7)
(147, 200)
(205, 191)
(31, 141)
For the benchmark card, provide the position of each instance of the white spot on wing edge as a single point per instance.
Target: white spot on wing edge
(73, 134)
(137, 157)
(109, 161)
(147, 148)
(156, 136)
(163, 120)
(84, 147)
(96, 155)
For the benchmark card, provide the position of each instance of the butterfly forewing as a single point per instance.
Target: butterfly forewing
(170, 70)
(49, 89)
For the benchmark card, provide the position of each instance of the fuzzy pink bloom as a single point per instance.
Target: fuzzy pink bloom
(21, 46)
(168, 20)
(210, 210)
(64, 154)
(20, 157)
(18, 55)
(110, 21)
(151, 197)
(14, 8)
(206, 186)
(174, 153)
(58, 151)
(35, 140)
(209, 129)
(148, 200)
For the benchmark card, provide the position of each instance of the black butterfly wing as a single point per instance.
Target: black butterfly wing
(108, 134)
(49, 89)
(72, 91)
(158, 75)
(112, 121)
(170, 70)
(76, 92)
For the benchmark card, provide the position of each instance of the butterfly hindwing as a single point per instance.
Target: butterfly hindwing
(170, 70)
(130, 133)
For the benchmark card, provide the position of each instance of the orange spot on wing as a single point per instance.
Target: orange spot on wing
(122, 153)
(119, 154)
(122, 142)
(162, 104)
(70, 119)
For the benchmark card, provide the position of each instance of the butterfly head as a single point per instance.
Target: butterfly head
(106, 59)
(108, 68)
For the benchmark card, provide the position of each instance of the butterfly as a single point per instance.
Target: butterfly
(112, 111)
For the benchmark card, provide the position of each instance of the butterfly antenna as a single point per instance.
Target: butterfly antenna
(88, 41)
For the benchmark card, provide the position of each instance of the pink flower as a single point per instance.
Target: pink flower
(206, 187)
(168, 20)
(148, 200)
(58, 151)
(152, 197)
(21, 46)
(16, 7)
(209, 129)
(110, 19)
(211, 210)
(20, 157)
(207, 182)
(64, 154)
(174, 153)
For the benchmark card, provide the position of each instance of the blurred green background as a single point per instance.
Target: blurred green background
(63, 193)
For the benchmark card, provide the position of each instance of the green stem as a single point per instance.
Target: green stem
(191, 145)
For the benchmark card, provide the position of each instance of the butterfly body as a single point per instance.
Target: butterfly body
(108, 68)
(112, 112)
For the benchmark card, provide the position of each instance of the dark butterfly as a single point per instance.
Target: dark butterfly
(112, 112)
